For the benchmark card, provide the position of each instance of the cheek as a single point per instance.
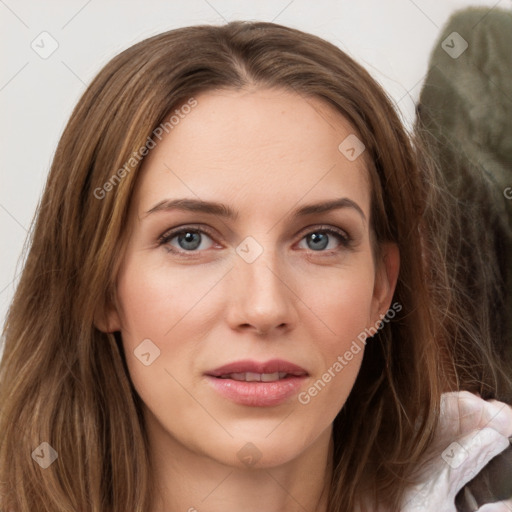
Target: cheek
(166, 304)
(161, 314)
(157, 301)
(171, 306)
(342, 302)
(343, 308)
(167, 313)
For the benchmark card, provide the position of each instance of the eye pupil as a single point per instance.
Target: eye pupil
(319, 238)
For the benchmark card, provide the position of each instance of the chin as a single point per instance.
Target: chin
(265, 449)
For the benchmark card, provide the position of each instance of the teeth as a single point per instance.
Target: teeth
(270, 377)
(256, 377)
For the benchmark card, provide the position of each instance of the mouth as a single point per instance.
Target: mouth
(255, 377)
(257, 384)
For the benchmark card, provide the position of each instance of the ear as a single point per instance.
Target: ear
(386, 275)
(107, 319)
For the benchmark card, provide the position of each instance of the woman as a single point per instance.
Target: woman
(225, 303)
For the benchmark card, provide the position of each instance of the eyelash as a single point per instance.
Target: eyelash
(344, 239)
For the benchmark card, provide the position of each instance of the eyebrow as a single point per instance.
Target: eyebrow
(222, 210)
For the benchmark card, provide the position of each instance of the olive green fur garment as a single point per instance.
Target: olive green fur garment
(465, 114)
(466, 109)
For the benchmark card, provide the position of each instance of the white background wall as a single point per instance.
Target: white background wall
(392, 38)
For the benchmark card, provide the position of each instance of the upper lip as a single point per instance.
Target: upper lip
(272, 366)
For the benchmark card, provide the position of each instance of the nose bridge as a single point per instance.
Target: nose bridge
(262, 297)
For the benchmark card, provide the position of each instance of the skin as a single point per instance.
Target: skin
(263, 152)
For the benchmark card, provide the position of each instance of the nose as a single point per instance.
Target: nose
(262, 299)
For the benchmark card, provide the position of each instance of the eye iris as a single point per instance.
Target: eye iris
(188, 239)
(321, 239)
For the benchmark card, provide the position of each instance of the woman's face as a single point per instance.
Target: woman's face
(243, 337)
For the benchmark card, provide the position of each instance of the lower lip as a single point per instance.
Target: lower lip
(257, 394)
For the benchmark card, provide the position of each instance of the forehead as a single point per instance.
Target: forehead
(258, 146)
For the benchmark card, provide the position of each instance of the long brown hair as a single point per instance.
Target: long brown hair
(64, 382)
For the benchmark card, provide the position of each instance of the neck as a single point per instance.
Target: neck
(194, 482)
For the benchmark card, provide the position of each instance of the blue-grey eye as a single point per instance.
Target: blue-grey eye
(187, 240)
(319, 240)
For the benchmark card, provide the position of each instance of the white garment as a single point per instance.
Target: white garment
(471, 432)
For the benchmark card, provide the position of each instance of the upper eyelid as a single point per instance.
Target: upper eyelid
(172, 232)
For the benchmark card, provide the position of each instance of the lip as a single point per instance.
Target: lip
(247, 365)
(258, 394)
